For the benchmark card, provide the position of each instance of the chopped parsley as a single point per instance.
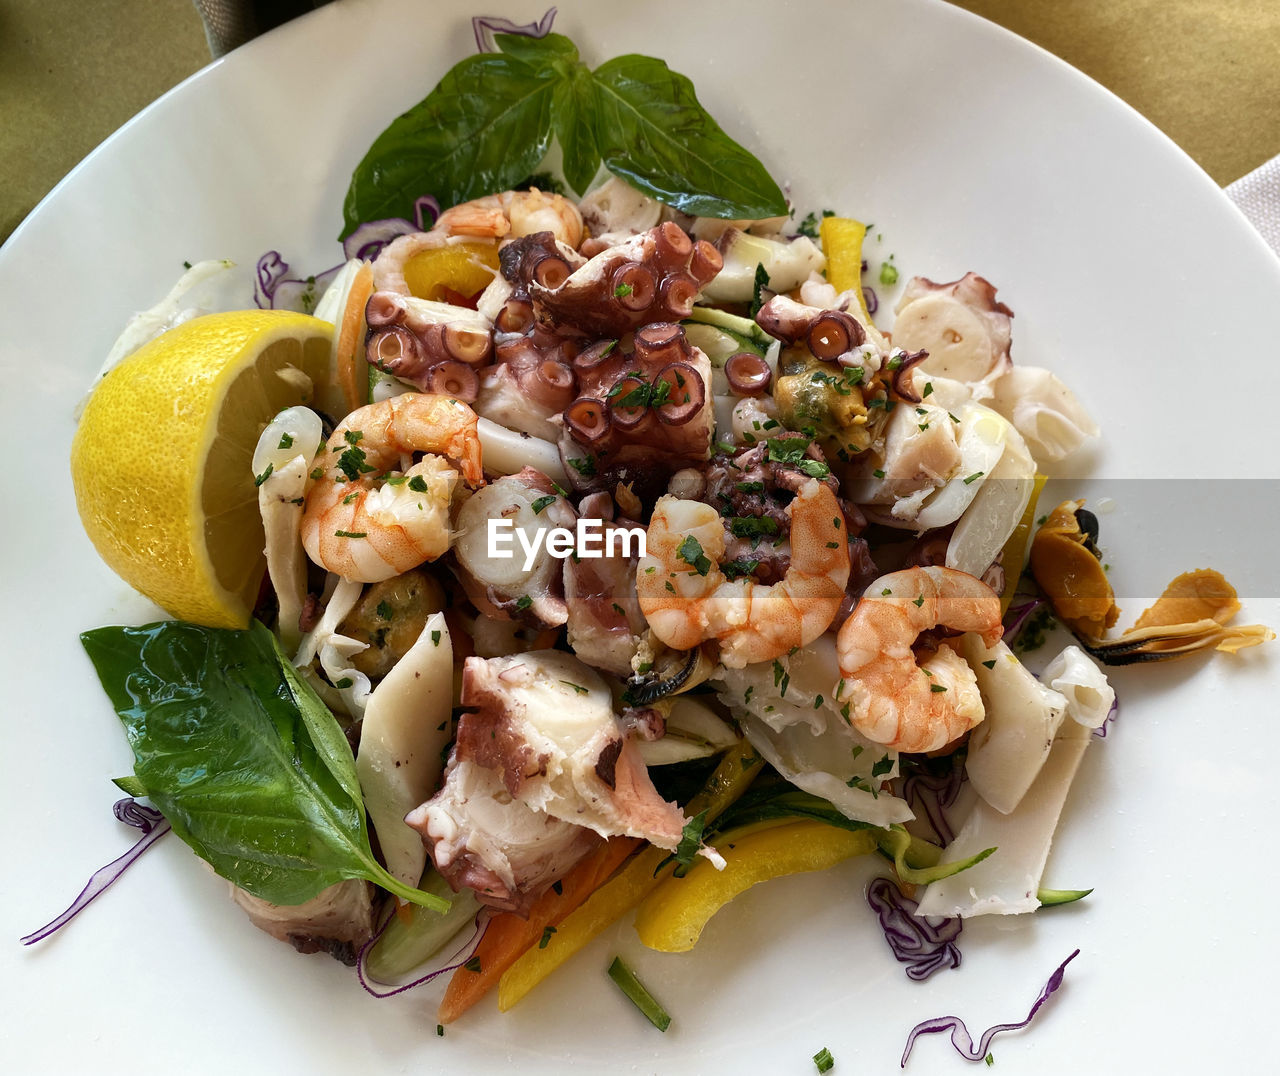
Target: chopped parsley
(761, 282)
(317, 474)
(546, 936)
(435, 638)
(523, 602)
(352, 462)
(690, 551)
(353, 437)
(418, 484)
(585, 466)
(990, 664)
(345, 682)
(974, 477)
(258, 479)
(542, 503)
(879, 769)
(286, 441)
(690, 842)
(937, 689)
(755, 527)
(928, 390)
(781, 678)
(622, 291)
(918, 602)
(350, 497)
(878, 473)
(384, 610)
(888, 273)
(576, 687)
(350, 534)
(473, 965)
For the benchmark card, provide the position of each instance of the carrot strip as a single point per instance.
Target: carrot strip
(355, 388)
(508, 936)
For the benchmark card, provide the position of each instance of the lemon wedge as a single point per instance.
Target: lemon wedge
(162, 459)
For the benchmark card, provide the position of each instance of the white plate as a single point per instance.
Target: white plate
(1131, 275)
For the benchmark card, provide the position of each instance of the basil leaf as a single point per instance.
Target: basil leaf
(242, 758)
(573, 114)
(541, 53)
(652, 131)
(482, 129)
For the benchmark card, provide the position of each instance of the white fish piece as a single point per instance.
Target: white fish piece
(1007, 881)
(334, 650)
(1089, 695)
(337, 920)
(615, 211)
(545, 721)
(1046, 412)
(966, 332)
(790, 711)
(995, 511)
(1007, 751)
(788, 263)
(506, 451)
(407, 727)
(483, 839)
(281, 463)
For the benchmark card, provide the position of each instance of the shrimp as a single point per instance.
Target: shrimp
(370, 512)
(893, 700)
(513, 214)
(687, 599)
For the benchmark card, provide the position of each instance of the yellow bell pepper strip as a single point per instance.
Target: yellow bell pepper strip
(629, 886)
(672, 917)
(842, 244)
(1013, 557)
(444, 274)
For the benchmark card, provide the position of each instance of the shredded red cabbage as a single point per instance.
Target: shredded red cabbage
(273, 289)
(367, 241)
(1018, 614)
(270, 271)
(485, 26)
(931, 795)
(131, 813)
(960, 1037)
(924, 943)
(456, 961)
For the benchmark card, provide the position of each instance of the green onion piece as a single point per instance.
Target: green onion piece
(639, 996)
(823, 1060)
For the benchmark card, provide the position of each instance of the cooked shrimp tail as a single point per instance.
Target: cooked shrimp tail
(894, 700)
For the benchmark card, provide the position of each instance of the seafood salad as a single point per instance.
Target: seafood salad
(619, 556)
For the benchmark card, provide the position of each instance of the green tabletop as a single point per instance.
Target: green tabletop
(1205, 71)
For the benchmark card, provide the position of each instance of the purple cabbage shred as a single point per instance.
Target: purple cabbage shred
(132, 813)
(931, 795)
(270, 271)
(960, 1037)
(485, 26)
(274, 289)
(368, 241)
(924, 943)
(869, 297)
(465, 953)
(1018, 614)
(421, 207)
(1101, 731)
